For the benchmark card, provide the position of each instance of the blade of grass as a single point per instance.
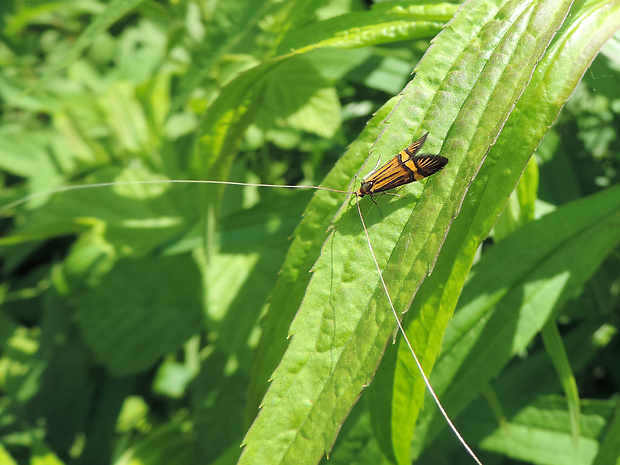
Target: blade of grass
(555, 348)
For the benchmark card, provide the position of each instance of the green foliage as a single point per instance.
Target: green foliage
(160, 322)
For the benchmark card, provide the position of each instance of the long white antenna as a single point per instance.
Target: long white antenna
(415, 357)
(61, 189)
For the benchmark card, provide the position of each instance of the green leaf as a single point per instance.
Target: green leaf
(297, 94)
(495, 88)
(121, 214)
(356, 442)
(237, 105)
(226, 26)
(102, 21)
(307, 242)
(540, 434)
(145, 308)
(520, 389)
(26, 157)
(340, 331)
(253, 244)
(521, 205)
(217, 392)
(5, 457)
(166, 444)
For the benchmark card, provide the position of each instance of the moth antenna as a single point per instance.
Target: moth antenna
(415, 357)
(376, 166)
(61, 189)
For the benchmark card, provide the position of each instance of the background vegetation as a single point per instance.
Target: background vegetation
(147, 323)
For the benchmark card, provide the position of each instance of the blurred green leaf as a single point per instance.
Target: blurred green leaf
(167, 444)
(104, 19)
(297, 94)
(610, 445)
(143, 307)
(539, 434)
(555, 347)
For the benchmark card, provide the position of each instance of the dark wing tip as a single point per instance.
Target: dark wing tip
(430, 164)
(415, 147)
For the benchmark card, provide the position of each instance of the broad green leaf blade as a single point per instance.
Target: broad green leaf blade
(502, 308)
(123, 214)
(252, 247)
(165, 444)
(297, 93)
(557, 75)
(540, 434)
(341, 329)
(218, 391)
(145, 308)
(24, 156)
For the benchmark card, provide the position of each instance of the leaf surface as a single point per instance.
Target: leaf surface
(340, 331)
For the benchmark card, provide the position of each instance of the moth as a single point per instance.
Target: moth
(404, 168)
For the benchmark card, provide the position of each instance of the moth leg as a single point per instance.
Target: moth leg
(372, 197)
